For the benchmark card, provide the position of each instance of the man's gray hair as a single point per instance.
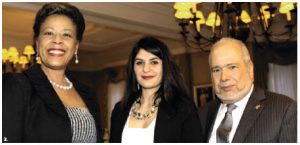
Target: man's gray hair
(244, 48)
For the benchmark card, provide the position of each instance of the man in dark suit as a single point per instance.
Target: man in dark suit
(243, 112)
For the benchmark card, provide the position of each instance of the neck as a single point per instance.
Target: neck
(147, 98)
(57, 76)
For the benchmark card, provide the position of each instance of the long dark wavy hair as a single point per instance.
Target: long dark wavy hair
(172, 89)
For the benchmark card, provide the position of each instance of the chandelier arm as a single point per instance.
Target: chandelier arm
(280, 34)
(271, 20)
(282, 39)
(255, 33)
(199, 46)
(228, 23)
(216, 10)
(252, 25)
(195, 29)
(202, 48)
(189, 43)
(208, 44)
(262, 23)
(221, 12)
(205, 43)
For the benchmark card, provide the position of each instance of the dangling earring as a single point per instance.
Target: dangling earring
(138, 86)
(37, 55)
(76, 58)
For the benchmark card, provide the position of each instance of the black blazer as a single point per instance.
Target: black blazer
(267, 118)
(184, 126)
(33, 112)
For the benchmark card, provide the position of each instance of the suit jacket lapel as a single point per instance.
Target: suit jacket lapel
(251, 112)
(162, 119)
(44, 89)
(211, 117)
(121, 118)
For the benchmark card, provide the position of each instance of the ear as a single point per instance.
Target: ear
(251, 69)
(36, 46)
(76, 47)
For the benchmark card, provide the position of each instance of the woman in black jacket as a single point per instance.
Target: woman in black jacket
(156, 106)
(45, 104)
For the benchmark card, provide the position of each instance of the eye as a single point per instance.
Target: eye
(139, 62)
(232, 67)
(48, 33)
(67, 35)
(215, 70)
(154, 62)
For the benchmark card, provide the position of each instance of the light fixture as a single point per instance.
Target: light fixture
(23, 61)
(5, 56)
(285, 8)
(12, 58)
(213, 20)
(28, 50)
(245, 17)
(201, 20)
(13, 52)
(235, 19)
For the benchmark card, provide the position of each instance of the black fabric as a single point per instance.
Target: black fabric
(32, 111)
(267, 118)
(261, 68)
(183, 127)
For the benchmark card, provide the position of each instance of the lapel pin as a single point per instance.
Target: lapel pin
(258, 106)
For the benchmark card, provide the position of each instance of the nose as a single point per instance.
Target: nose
(57, 39)
(224, 75)
(146, 67)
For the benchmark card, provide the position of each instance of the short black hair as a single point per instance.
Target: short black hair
(57, 8)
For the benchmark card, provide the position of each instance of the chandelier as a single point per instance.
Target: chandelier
(13, 61)
(202, 24)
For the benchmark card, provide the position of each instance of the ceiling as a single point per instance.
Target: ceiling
(111, 30)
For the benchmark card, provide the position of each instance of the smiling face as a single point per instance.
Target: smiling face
(57, 42)
(231, 74)
(148, 70)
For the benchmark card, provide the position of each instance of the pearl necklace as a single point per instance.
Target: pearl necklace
(139, 116)
(68, 87)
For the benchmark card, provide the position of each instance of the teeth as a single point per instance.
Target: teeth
(56, 52)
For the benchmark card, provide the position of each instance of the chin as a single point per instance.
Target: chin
(229, 97)
(150, 86)
(56, 66)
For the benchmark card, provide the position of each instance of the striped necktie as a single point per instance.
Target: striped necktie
(226, 125)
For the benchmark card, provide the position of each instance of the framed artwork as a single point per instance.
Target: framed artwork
(203, 94)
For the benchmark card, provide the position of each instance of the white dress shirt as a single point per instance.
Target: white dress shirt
(138, 135)
(236, 117)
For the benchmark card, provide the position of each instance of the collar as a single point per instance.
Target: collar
(46, 92)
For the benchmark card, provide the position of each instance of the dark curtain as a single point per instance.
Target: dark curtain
(260, 67)
(184, 63)
(277, 53)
